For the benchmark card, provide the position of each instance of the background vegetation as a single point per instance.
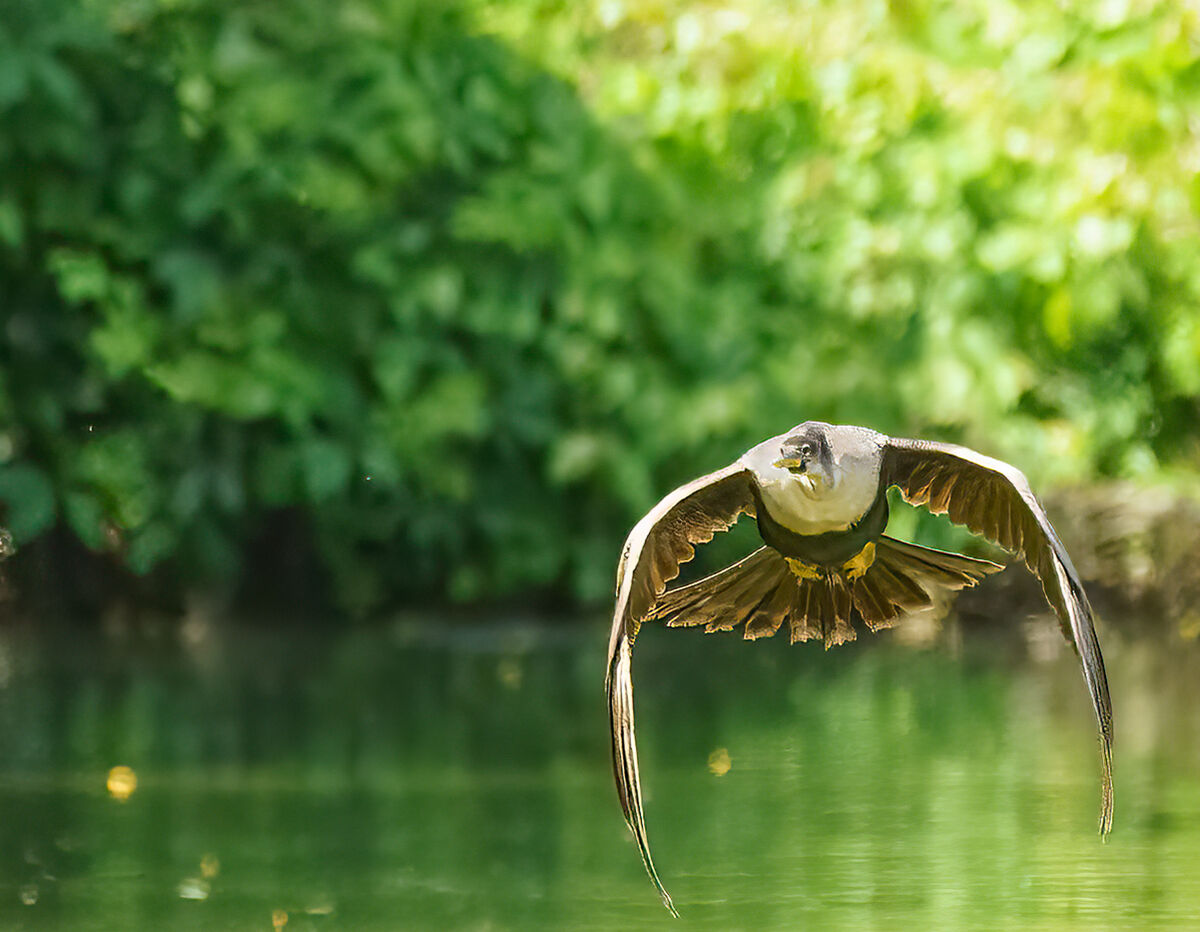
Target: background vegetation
(432, 300)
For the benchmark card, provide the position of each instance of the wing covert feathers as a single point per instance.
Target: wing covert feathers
(994, 499)
(666, 537)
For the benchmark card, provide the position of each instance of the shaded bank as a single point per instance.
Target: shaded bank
(1134, 547)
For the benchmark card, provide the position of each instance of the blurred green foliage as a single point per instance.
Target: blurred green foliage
(467, 286)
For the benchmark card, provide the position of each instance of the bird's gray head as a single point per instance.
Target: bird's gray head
(806, 452)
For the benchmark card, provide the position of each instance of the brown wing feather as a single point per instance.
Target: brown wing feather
(666, 537)
(994, 499)
(724, 595)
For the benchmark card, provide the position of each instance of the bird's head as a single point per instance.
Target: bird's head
(807, 455)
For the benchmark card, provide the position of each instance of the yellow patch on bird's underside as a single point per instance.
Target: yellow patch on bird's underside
(858, 564)
(853, 568)
(804, 570)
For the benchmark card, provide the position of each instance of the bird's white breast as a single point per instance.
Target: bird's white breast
(806, 508)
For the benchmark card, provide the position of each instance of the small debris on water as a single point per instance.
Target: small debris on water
(193, 888)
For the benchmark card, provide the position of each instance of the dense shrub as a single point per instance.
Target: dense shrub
(465, 288)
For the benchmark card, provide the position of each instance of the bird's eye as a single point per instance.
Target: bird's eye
(806, 450)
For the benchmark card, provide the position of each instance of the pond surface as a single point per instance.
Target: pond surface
(435, 777)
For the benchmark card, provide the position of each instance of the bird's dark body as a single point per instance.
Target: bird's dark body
(831, 549)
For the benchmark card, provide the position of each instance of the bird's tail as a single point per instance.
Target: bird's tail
(907, 578)
(764, 590)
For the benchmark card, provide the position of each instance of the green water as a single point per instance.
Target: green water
(450, 778)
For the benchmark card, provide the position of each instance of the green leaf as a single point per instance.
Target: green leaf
(85, 516)
(149, 546)
(326, 466)
(28, 496)
(81, 276)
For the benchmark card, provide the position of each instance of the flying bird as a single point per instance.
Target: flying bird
(819, 496)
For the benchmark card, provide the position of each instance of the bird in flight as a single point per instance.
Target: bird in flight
(819, 496)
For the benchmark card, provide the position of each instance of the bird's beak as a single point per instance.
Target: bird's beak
(790, 462)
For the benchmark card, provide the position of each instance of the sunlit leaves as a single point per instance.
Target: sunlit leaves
(469, 285)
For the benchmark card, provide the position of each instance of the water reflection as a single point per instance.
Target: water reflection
(383, 780)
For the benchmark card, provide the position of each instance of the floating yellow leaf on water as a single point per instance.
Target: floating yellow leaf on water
(719, 762)
(210, 866)
(122, 781)
(279, 918)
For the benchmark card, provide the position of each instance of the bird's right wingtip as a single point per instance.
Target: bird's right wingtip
(625, 762)
(1106, 790)
(658, 884)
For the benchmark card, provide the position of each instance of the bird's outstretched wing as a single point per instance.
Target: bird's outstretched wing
(653, 552)
(994, 499)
